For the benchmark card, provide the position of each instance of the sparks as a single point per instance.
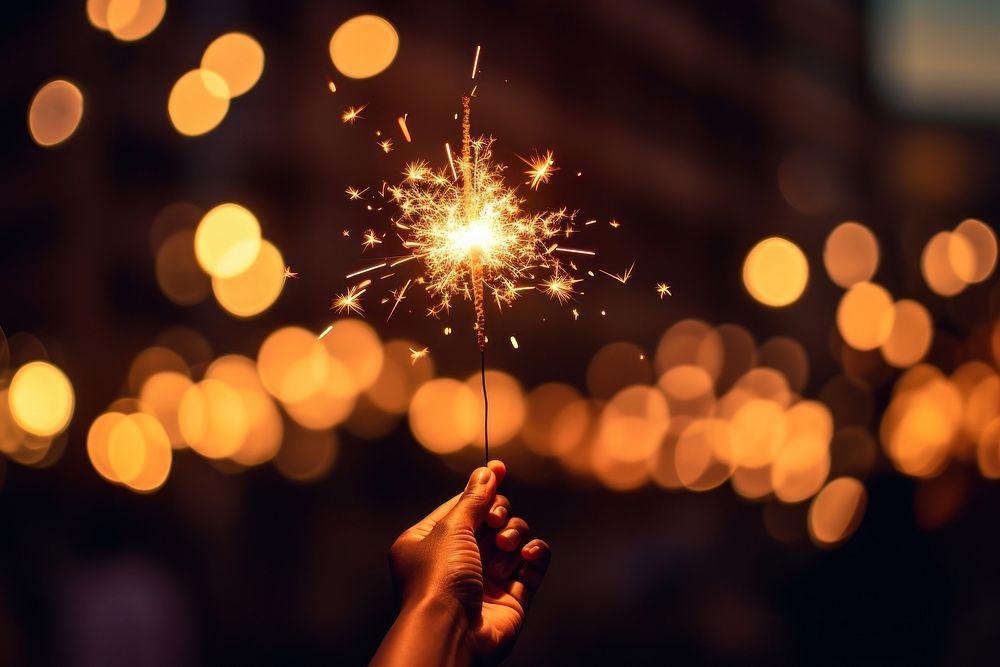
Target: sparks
(513, 342)
(475, 61)
(559, 286)
(371, 239)
(289, 273)
(332, 86)
(623, 278)
(541, 169)
(398, 296)
(352, 114)
(417, 171)
(663, 289)
(354, 194)
(473, 235)
(576, 251)
(370, 268)
(385, 145)
(576, 314)
(346, 233)
(402, 126)
(614, 223)
(349, 302)
(418, 354)
(327, 330)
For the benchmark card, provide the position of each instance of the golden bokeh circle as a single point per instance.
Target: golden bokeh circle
(364, 46)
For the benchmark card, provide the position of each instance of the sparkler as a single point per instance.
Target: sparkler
(470, 234)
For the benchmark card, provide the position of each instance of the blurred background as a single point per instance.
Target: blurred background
(763, 430)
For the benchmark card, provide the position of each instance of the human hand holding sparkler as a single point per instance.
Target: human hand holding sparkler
(466, 574)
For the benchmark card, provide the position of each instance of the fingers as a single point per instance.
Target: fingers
(475, 502)
(510, 538)
(499, 469)
(499, 512)
(536, 555)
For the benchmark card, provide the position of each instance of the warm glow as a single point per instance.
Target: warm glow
(356, 345)
(400, 377)
(775, 272)
(177, 271)
(292, 364)
(55, 112)
(633, 423)
(836, 512)
(138, 452)
(331, 404)
(910, 336)
(556, 421)
(703, 454)
(227, 241)
(616, 366)
(507, 408)
(851, 254)
(213, 419)
(865, 316)
(198, 102)
(306, 456)
(130, 20)
(443, 415)
(41, 398)
(363, 46)
(161, 396)
(255, 289)
(946, 258)
(983, 241)
(237, 58)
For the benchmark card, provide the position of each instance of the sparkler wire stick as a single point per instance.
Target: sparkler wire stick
(475, 262)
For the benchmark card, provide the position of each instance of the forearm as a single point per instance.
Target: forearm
(428, 633)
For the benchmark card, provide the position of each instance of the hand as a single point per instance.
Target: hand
(470, 561)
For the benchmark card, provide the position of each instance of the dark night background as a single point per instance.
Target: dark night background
(681, 116)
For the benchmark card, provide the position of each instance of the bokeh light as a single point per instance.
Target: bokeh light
(775, 272)
(227, 241)
(633, 423)
(41, 398)
(198, 102)
(55, 112)
(307, 456)
(161, 396)
(255, 289)
(865, 316)
(443, 415)
(213, 419)
(130, 20)
(356, 345)
(911, 334)
(237, 58)
(851, 254)
(177, 271)
(363, 46)
(983, 241)
(616, 366)
(292, 364)
(945, 259)
(836, 511)
(507, 408)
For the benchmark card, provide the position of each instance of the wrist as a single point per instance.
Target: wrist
(436, 609)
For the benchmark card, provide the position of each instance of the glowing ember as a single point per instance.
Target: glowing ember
(352, 114)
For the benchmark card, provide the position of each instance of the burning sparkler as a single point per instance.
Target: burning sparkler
(469, 233)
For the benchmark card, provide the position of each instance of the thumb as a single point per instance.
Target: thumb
(476, 500)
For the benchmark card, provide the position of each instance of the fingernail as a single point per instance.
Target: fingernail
(500, 512)
(482, 476)
(534, 550)
(510, 534)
